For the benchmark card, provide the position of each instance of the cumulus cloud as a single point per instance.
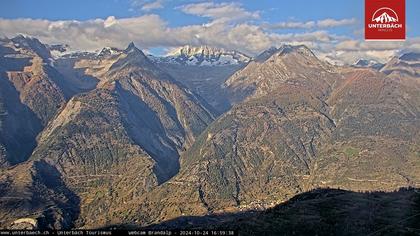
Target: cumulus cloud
(90, 34)
(110, 21)
(357, 45)
(219, 11)
(150, 31)
(350, 50)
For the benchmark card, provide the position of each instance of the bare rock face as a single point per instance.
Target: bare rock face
(37, 90)
(24, 224)
(30, 94)
(27, 43)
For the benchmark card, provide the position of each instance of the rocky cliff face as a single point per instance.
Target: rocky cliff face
(38, 89)
(31, 92)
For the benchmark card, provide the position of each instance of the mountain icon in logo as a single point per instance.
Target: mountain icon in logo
(386, 15)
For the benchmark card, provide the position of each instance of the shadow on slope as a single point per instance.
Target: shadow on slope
(66, 204)
(20, 125)
(319, 212)
(35, 189)
(145, 127)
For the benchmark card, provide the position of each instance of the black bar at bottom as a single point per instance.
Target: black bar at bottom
(121, 232)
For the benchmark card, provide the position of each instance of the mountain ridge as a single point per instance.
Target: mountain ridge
(132, 140)
(316, 125)
(204, 56)
(125, 133)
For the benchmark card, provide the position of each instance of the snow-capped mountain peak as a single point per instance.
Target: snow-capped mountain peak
(365, 62)
(368, 63)
(204, 56)
(109, 51)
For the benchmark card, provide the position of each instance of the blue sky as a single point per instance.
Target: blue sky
(149, 22)
(271, 10)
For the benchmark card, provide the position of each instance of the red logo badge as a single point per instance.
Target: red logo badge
(385, 19)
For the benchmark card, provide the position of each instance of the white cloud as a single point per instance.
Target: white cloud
(292, 25)
(329, 23)
(90, 34)
(110, 21)
(150, 31)
(358, 45)
(351, 50)
(153, 5)
(325, 23)
(220, 11)
(147, 5)
(146, 31)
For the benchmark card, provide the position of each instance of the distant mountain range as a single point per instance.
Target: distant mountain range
(202, 69)
(187, 55)
(117, 138)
